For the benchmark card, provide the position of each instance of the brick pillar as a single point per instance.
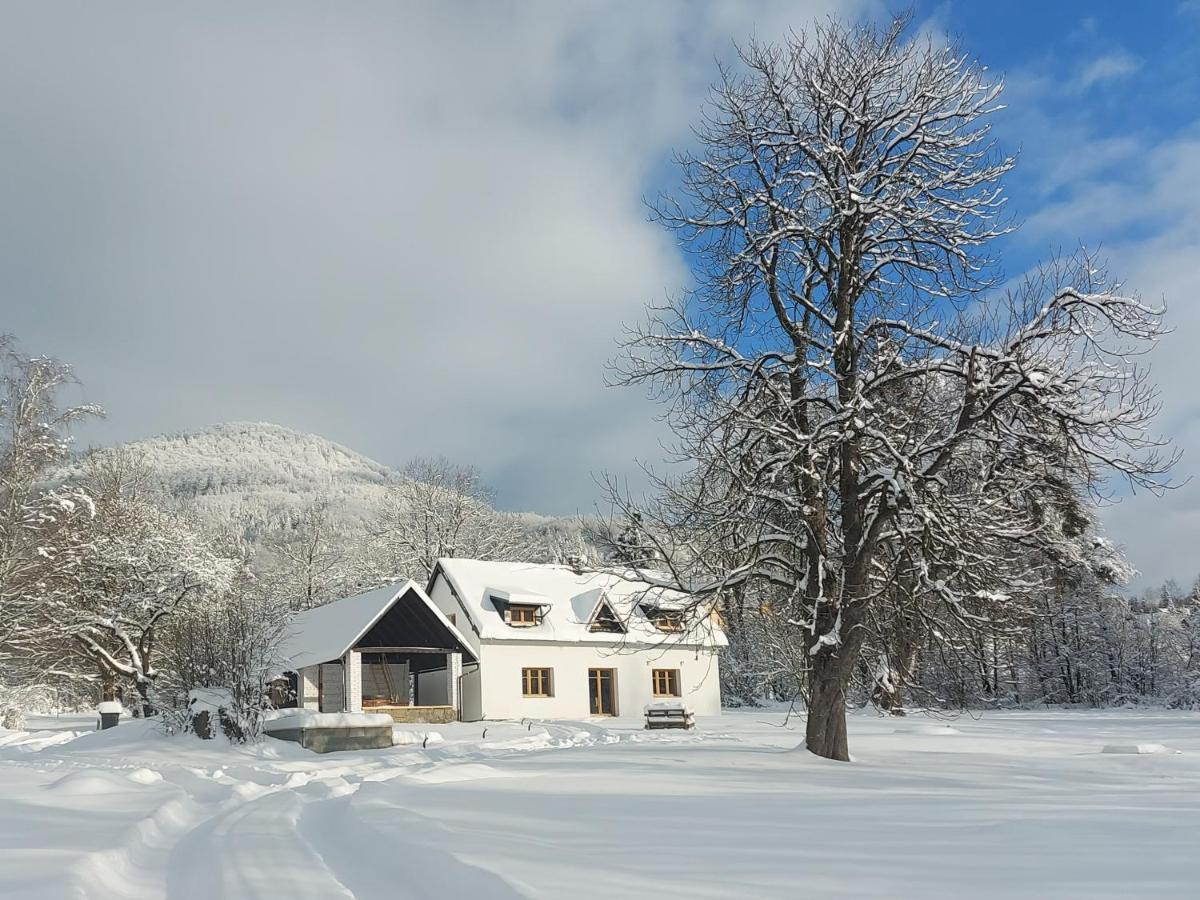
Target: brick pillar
(454, 673)
(352, 663)
(307, 684)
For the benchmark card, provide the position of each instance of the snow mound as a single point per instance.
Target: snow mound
(1134, 749)
(448, 774)
(31, 741)
(143, 775)
(929, 730)
(90, 783)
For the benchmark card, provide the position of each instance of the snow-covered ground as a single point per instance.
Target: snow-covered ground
(1014, 804)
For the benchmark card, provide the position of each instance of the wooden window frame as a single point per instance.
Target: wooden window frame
(529, 615)
(669, 622)
(666, 682)
(615, 694)
(542, 676)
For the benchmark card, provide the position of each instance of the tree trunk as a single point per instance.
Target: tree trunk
(143, 689)
(108, 685)
(825, 733)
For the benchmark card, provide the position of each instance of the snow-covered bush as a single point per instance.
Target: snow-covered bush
(220, 656)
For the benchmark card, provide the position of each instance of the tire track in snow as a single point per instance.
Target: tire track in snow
(135, 868)
(364, 838)
(252, 850)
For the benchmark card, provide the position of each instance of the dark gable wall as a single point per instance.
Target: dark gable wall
(411, 623)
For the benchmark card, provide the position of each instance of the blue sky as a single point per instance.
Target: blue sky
(1104, 107)
(417, 228)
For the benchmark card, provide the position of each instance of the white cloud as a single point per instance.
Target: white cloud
(1146, 214)
(414, 229)
(1109, 67)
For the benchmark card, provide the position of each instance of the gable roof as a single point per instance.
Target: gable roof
(569, 601)
(325, 633)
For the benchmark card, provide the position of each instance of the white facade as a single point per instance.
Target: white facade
(501, 665)
(563, 644)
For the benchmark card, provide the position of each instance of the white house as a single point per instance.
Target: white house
(503, 640)
(554, 642)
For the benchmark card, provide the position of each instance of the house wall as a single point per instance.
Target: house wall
(472, 695)
(307, 687)
(432, 688)
(443, 599)
(492, 690)
(333, 688)
(501, 663)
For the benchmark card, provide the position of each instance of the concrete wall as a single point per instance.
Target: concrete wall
(500, 685)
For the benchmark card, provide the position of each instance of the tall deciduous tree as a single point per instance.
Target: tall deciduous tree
(139, 567)
(440, 509)
(839, 211)
(40, 526)
(312, 562)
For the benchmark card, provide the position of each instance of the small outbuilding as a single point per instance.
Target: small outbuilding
(389, 651)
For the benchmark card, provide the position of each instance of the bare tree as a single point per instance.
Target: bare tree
(438, 510)
(139, 567)
(312, 559)
(226, 647)
(40, 526)
(839, 211)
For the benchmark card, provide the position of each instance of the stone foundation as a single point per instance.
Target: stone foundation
(405, 715)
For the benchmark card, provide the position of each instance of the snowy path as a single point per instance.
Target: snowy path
(1008, 805)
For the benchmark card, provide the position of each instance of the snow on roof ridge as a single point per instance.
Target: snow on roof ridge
(577, 595)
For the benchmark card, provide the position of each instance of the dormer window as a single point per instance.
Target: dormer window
(666, 620)
(520, 609)
(605, 620)
(522, 615)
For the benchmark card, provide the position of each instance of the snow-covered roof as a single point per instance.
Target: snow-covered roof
(519, 597)
(569, 601)
(325, 633)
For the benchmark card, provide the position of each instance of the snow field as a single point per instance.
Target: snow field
(1004, 805)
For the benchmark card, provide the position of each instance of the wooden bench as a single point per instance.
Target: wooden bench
(669, 714)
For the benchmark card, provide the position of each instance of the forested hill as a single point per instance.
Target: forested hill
(262, 475)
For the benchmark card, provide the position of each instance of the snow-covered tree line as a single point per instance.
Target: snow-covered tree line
(111, 588)
(889, 443)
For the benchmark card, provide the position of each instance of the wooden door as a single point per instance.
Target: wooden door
(602, 689)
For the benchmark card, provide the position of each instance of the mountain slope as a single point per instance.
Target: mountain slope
(262, 475)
